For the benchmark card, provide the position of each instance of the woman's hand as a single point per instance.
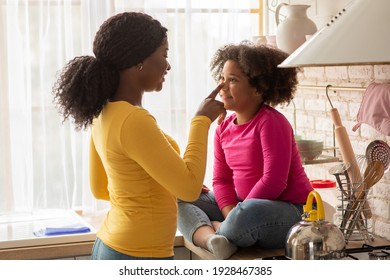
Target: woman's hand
(212, 108)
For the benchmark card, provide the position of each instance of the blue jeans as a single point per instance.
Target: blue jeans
(259, 222)
(101, 251)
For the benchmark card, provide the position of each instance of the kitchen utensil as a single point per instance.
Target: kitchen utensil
(355, 221)
(339, 168)
(362, 164)
(380, 151)
(361, 187)
(345, 147)
(337, 171)
(376, 151)
(313, 238)
(373, 174)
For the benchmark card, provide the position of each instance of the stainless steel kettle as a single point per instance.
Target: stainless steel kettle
(313, 238)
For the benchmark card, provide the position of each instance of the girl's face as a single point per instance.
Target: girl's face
(237, 94)
(155, 67)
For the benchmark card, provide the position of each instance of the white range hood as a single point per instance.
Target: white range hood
(357, 35)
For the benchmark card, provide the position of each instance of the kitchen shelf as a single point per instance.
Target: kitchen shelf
(324, 158)
(327, 158)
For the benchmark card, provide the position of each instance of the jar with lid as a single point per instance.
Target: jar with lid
(330, 196)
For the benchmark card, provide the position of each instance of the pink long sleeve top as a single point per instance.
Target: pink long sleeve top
(258, 159)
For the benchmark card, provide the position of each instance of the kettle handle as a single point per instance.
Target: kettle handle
(314, 215)
(277, 11)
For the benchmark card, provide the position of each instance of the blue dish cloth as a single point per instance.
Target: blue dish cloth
(61, 231)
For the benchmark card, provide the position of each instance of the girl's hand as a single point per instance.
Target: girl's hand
(205, 189)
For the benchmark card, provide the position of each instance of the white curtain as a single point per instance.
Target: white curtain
(44, 162)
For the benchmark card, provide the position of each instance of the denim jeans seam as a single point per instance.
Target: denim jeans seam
(257, 227)
(299, 212)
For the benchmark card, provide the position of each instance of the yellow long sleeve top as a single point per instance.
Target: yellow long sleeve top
(138, 168)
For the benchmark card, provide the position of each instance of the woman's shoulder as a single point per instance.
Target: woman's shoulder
(125, 112)
(126, 107)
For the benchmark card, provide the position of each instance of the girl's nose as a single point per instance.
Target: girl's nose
(224, 86)
(168, 66)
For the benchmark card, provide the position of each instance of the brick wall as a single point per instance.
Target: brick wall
(313, 121)
(312, 109)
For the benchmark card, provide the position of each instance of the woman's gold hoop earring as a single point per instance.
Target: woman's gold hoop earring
(140, 67)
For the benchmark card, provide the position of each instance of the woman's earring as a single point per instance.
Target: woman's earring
(140, 66)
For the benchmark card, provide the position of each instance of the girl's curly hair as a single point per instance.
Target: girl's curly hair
(260, 64)
(86, 83)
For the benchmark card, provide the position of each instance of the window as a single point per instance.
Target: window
(44, 162)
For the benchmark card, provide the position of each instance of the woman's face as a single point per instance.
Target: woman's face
(237, 94)
(155, 67)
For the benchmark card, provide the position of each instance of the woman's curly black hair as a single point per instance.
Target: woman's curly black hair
(86, 83)
(259, 63)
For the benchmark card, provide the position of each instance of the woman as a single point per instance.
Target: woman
(259, 184)
(133, 164)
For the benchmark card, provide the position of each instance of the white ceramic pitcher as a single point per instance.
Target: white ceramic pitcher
(291, 32)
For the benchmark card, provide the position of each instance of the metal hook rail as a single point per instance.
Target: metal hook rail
(334, 88)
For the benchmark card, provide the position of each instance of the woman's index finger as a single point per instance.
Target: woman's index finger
(214, 93)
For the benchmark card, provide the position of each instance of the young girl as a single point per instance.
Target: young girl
(259, 184)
